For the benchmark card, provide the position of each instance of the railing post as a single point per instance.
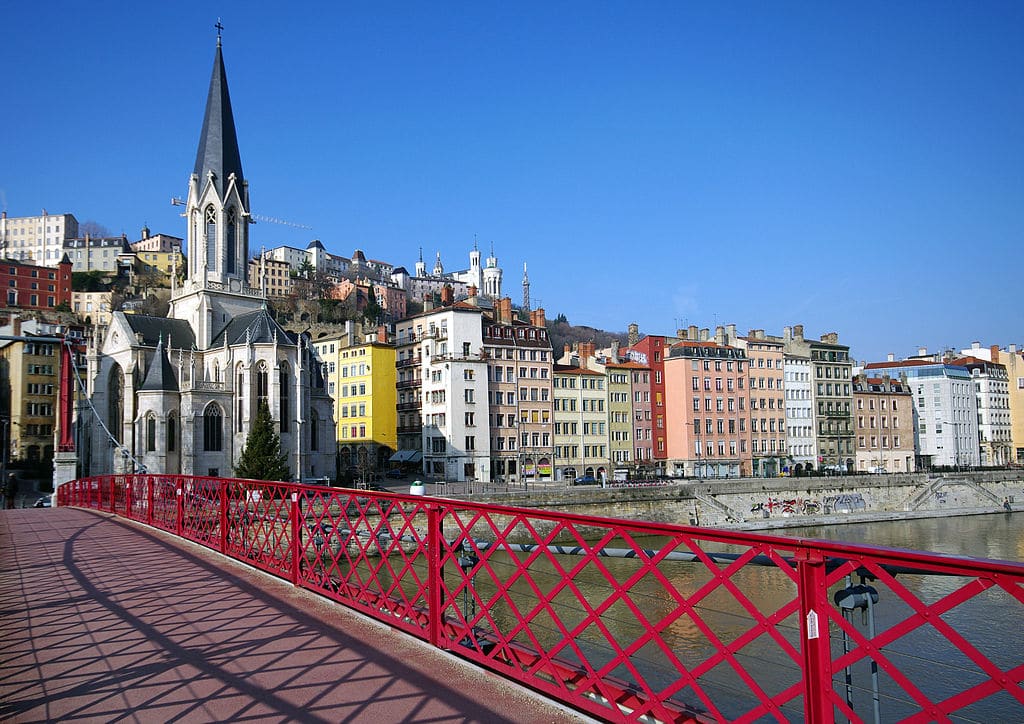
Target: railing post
(149, 500)
(181, 510)
(223, 516)
(295, 537)
(435, 576)
(814, 633)
(113, 495)
(128, 498)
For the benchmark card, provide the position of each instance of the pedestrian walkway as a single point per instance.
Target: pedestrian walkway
(103, 620)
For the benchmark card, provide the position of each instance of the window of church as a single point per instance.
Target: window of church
(115, 408)
(314, 432)
(261, 384)
(213, 431)
(150, 433)
(211, 237)
(172, 433)
(285, 413)
(230, 242)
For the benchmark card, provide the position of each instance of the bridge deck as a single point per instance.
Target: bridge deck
(101, 619)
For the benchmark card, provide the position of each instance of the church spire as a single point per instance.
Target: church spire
(218, 144)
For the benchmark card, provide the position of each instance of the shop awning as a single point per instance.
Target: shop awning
(406, 456)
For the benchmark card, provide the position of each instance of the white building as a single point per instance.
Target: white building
(456, 432)
(801, 441)
(945, 410)
(991, 384)
(178, 394)
(39, 239)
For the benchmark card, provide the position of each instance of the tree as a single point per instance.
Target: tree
(261, 457)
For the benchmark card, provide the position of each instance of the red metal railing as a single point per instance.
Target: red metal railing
(627, 620)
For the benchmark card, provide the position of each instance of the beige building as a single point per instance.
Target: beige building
(581, 423)
(99, 254)
(93, 308)
(28, 394)
(39, 239)
(272, 276)
(519, 395)
(883, 411)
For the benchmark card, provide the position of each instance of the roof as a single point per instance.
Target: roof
(257, 327)
(218, 144)
(160, 375)
(571, 370)
(173, 332)
(900, 363)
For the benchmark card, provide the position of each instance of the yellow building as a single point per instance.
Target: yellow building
(161, 263)
(361, 380)
(28, 394)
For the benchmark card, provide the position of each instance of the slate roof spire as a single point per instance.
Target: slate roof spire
(218, 144)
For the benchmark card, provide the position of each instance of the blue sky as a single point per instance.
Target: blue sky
(852, 167)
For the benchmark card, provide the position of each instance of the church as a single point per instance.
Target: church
(178, 394)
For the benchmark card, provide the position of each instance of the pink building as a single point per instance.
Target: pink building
(706, 416)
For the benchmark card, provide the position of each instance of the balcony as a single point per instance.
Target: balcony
(408, 362)
(406, 384)
(410, 429)
(406, 406)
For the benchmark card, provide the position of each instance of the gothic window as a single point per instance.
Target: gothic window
(115, 403)
(211, 237)
(285, 411)
(213, 429)
(150, 433)
(239, 396)
(172, 433)
(230, 241)
(216, 371)
(261, 384)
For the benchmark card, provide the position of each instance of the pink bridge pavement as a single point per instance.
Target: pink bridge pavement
(102, 620)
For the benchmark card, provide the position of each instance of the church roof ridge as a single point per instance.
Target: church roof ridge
(160, 375)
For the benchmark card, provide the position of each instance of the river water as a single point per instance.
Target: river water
(991, 622)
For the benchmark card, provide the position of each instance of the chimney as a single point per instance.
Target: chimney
(471, 291)
(890, 357)
(634, 334)
(798, 332)
(681, 333)
(787, 334)
(506, 310)
(705, 334)
(922, 351)
(382, 334)
(447, 295)
(537, 317)
(730, 329)
(720, 335)
(16, 322)
(994, 352)
(428, 302)
(975, 345)
(691, 332)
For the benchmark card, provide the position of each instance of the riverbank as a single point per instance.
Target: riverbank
(807, 521)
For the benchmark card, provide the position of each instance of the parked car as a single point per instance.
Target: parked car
(43, 502)
(586, 480)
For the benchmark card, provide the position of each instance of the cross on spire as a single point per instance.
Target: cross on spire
(219, 29)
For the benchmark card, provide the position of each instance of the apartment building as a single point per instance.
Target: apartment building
(801, 441)
(104, 254)
(945, 409)
(519, 395)
(884, 423)
(273, 277)
(991, 385)
(767, 402)
(37, 239)
(706, 411)
(442, 389)
(581, 423)
(28, 394)
(1012, 359)
(361, 380)
(649, 351)
(28, 286)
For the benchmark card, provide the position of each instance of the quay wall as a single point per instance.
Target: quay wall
(759, 503)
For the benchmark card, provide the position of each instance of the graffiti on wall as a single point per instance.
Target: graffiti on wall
(844, 503)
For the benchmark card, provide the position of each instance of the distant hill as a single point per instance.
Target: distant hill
(563, 333)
